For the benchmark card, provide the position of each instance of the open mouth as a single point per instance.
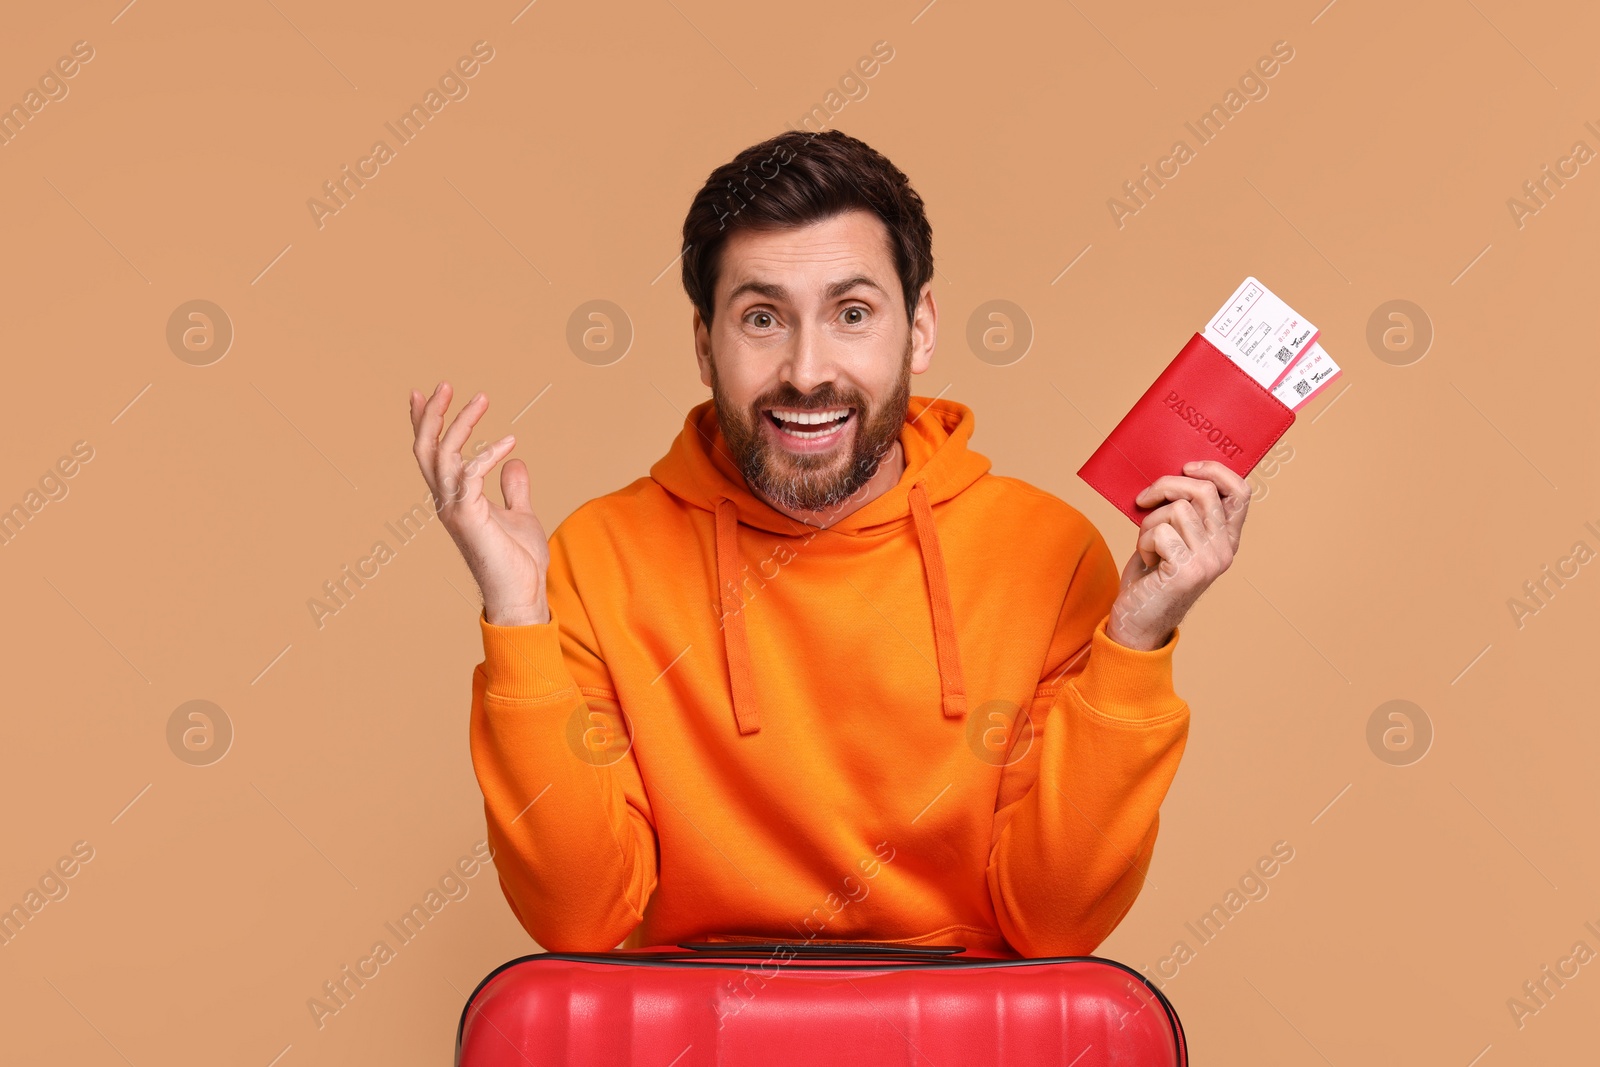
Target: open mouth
(810, 425)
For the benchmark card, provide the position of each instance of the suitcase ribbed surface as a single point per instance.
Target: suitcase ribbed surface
(674, 1009)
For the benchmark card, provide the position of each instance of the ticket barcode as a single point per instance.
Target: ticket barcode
(1308, 377)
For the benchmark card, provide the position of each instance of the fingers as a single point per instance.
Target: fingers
(1160, 541)
(1234, 489)
(1223, 475)
(452, 480)
(461, 427)
(472, 474)
(455, 482)
(514, 486)
(1173, 531)
(427, 424)
(1199, 492)
(1206, 511)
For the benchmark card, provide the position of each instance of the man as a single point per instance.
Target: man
(822, 674)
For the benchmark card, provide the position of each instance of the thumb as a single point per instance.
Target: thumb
(514, 485)
(1144, 554)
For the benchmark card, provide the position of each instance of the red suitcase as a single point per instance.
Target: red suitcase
(783, 1003)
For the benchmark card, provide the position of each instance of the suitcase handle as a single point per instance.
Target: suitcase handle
(846, 950)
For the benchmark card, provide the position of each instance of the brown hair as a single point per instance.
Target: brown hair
(795, 179)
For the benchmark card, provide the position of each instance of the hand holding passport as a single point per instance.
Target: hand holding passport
(1228, 395)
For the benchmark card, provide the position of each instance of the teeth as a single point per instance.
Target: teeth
(808, 417)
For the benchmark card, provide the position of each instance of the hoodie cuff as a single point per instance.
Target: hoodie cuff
(523, 662)
(1125, 683)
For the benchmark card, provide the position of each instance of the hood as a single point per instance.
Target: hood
(699, 470)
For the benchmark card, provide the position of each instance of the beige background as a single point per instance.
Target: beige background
(1377, 563)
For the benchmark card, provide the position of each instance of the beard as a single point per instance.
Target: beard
(813, 481)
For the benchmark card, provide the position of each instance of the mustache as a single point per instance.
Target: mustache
(793, 398)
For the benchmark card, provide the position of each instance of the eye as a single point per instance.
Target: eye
(856, 310)
(754, 317)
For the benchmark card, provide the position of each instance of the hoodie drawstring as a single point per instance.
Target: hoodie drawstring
(952, 684)
(736, 643)
(746, 710)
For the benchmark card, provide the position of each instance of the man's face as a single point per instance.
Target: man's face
(809, 357)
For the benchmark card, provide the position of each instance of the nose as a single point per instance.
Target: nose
(808, 361)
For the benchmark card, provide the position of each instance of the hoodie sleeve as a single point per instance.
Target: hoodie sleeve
(568, 819)
(1076, 817)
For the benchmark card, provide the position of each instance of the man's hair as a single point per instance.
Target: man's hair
(795, 179)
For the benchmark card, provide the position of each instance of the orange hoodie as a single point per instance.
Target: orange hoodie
(909, 727)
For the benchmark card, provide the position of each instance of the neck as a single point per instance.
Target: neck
(885, 478)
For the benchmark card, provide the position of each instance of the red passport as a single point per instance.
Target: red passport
(1203, 406)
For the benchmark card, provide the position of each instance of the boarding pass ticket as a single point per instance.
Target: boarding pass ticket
(1309, 375)
(1261, 334)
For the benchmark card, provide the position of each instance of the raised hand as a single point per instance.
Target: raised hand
(505, 547)
(1183, 547)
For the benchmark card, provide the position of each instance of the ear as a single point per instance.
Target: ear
(702, 348)
(924, 330)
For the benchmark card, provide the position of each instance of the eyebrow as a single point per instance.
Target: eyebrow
(773, 291)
